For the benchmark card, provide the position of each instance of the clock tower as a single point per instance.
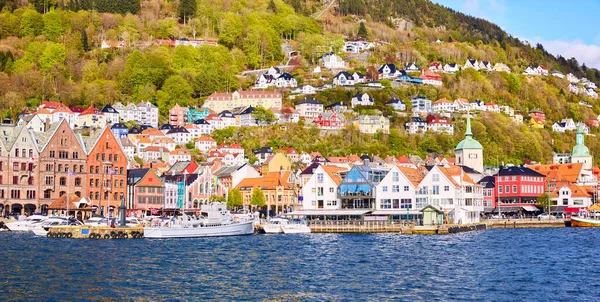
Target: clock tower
(469, 152)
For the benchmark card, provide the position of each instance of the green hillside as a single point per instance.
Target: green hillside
(51, 49)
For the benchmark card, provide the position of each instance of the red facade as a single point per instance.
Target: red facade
(518, 186)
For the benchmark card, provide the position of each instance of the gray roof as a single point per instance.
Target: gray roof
(227, 171)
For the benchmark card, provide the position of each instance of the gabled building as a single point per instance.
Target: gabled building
(388, 71)
(397, 104)
(451, 68)
(205, 143)
(320, 190)
(177, 116)
(330, 121)
(518, 189)
(309, 108)
(332, 61)
(110, 114)
(372, 124)
(470, 63)
(415, 125)
(501, 67)
(180, 135)
(396, 193)
(431, 78)
(278, 189)
(358, 189)
(442, 105)
(411, 67)
(92, 118)
(361, 99)
(440, 125)
(145, 191)
(343, 78)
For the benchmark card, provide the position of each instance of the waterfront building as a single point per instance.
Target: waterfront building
(396, 193)
(277, 187)
(107, 166)
(145, 191)
(358, 189)
(451, 189)
(518, 189)
(320, 190)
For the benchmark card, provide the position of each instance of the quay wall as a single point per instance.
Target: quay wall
(516, 224)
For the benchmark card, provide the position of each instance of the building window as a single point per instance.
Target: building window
(47, 193)
(386, 203)
(507, 189)
(75, 155)
(406, 188)
(331, 190)
(436, 190)
(30, 180)
(15, 180)
(62, 181)
(52, 154)
(514, 189)
(435, 177)
(78, 182)
(319, 178)
(446, 188)
(16, 194)
(395, 177)
(16, 152)
(405, 203)
(499, 189)
(15, 166)
(30, 194)
(49, 180)
(395, 188)
(384, 189)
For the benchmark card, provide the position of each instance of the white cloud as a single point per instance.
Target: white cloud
(584, 53)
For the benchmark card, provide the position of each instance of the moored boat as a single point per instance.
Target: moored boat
(580, 222)
(25, 224)
(214, 221)
(274, 225)
(296, 226)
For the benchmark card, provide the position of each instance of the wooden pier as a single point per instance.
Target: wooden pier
(99, 232)
(390, 227)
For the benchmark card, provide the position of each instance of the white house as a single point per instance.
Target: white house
(443, 105)
(343, 79)
(286, 80)
(415, 125)
(309, 108)
(451, 68)
(306, 89)
(362, 99)
(591, 92)
(180, 135)
(462, 105)
(228, 119)
(205, 143)
(572, 78)
(388, 71)
(566, 124)
(573, 88)
(531, 71)
(542, 70)
(485, 65)
(451, 189)
(477, 105)
(420, 104)
(557, 74)
(359, 77)
(440, 125)
(572, 196)
(333, 61)
(395, 194)
(411, 67)
(470, 63)
(320, 191)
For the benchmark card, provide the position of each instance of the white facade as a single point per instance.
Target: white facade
(333, 61)
(320, 192)
(396, 192)
(362, 99)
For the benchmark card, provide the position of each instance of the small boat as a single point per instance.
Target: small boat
(214, 221)
(25, 224)
(274, 225)
(296, 226)
(580, 222)
(43, 228)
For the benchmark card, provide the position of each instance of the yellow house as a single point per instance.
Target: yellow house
(533, 123)
(372, 124)
(275, 163)
(220, 101)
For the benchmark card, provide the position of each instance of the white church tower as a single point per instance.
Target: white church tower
(469, 152)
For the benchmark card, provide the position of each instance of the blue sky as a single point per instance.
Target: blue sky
(568, 28)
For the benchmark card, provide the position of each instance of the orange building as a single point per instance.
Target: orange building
(278, 188)
(107, 166)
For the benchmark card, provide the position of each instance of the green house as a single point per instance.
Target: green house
(432, 215)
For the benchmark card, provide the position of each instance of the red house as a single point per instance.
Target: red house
(538, 115)
(431, 78)
(518, 189)
(329, 120)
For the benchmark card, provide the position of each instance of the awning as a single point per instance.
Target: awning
(557, 209)
(488, 210)
(396, 212)
(530, 208)
(507, 209)
(353, 212)
(574, 210)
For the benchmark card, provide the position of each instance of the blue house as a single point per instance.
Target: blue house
(408, 79)
(119, 130)
(357, 189)
(195, 114)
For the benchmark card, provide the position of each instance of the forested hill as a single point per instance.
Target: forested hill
(458, 26)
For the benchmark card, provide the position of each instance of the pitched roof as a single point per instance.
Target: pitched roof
(517, 170)
(569, 172)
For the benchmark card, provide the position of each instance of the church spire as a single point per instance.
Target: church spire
(468, 131)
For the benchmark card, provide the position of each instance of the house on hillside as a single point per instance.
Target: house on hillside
(470, 63)
(451, 68)
(485, 65)
(442, 105)
(397, 104)
(372, 124)
(388, 71)
(420, 104)
(415, 125)
(343, 79)
(332, 61)
(411, 67)
(361, 99)
(330, 121)
(501, 67)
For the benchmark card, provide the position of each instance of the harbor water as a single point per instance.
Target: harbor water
(492, 265)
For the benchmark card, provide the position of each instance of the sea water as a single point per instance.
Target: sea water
(492, 265)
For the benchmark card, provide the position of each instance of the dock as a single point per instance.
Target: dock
(99, 232)
(358, 227)
(526, 223)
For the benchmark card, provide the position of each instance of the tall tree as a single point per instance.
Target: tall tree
(263, 116)
(84, 41)
(362, 30)
(258, 198)
(234, 198)
(186, 10)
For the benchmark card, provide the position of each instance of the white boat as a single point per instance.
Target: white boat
(25, 224)
(274, 225)
(214, 221)
(296, 226)
(43, 228)
(101, 221)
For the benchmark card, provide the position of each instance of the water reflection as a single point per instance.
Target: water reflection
(505, 264)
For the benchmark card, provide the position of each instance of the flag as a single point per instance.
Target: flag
(71, 173)
(112, 172)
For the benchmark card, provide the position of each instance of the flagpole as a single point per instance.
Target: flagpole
(68, 181)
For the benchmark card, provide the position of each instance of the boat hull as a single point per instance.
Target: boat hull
(235, 229)
(18, 226)
(272, 229)
(295, 229)
(578, 222)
